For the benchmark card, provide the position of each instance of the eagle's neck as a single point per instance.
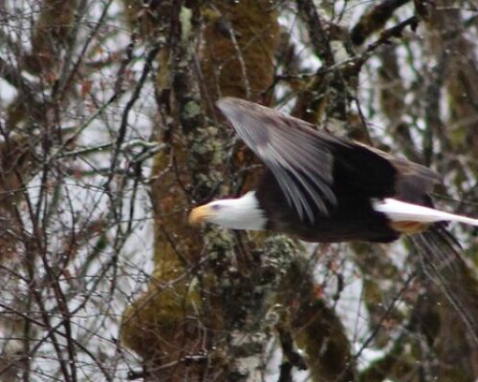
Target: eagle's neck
(241, 213)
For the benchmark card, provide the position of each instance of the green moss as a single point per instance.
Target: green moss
(227, 59)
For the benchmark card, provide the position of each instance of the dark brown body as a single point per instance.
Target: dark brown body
(352, 219)
(360, 175)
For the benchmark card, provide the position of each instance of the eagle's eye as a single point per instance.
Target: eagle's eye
(216, 207)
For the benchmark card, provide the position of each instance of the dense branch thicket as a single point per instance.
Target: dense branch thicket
(109, 135)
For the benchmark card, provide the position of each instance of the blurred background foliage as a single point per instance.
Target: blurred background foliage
(109, 136)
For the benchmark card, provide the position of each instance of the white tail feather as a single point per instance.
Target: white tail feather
(397, 210)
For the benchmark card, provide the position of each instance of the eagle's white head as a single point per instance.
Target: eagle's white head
(239, 213)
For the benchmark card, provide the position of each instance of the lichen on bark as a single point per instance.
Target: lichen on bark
(190, 306)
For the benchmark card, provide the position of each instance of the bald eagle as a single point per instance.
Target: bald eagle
(322, 188)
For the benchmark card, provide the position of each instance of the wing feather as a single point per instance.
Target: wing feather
(299, 156)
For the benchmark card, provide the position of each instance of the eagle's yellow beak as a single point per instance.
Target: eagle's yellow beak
(199, 214)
